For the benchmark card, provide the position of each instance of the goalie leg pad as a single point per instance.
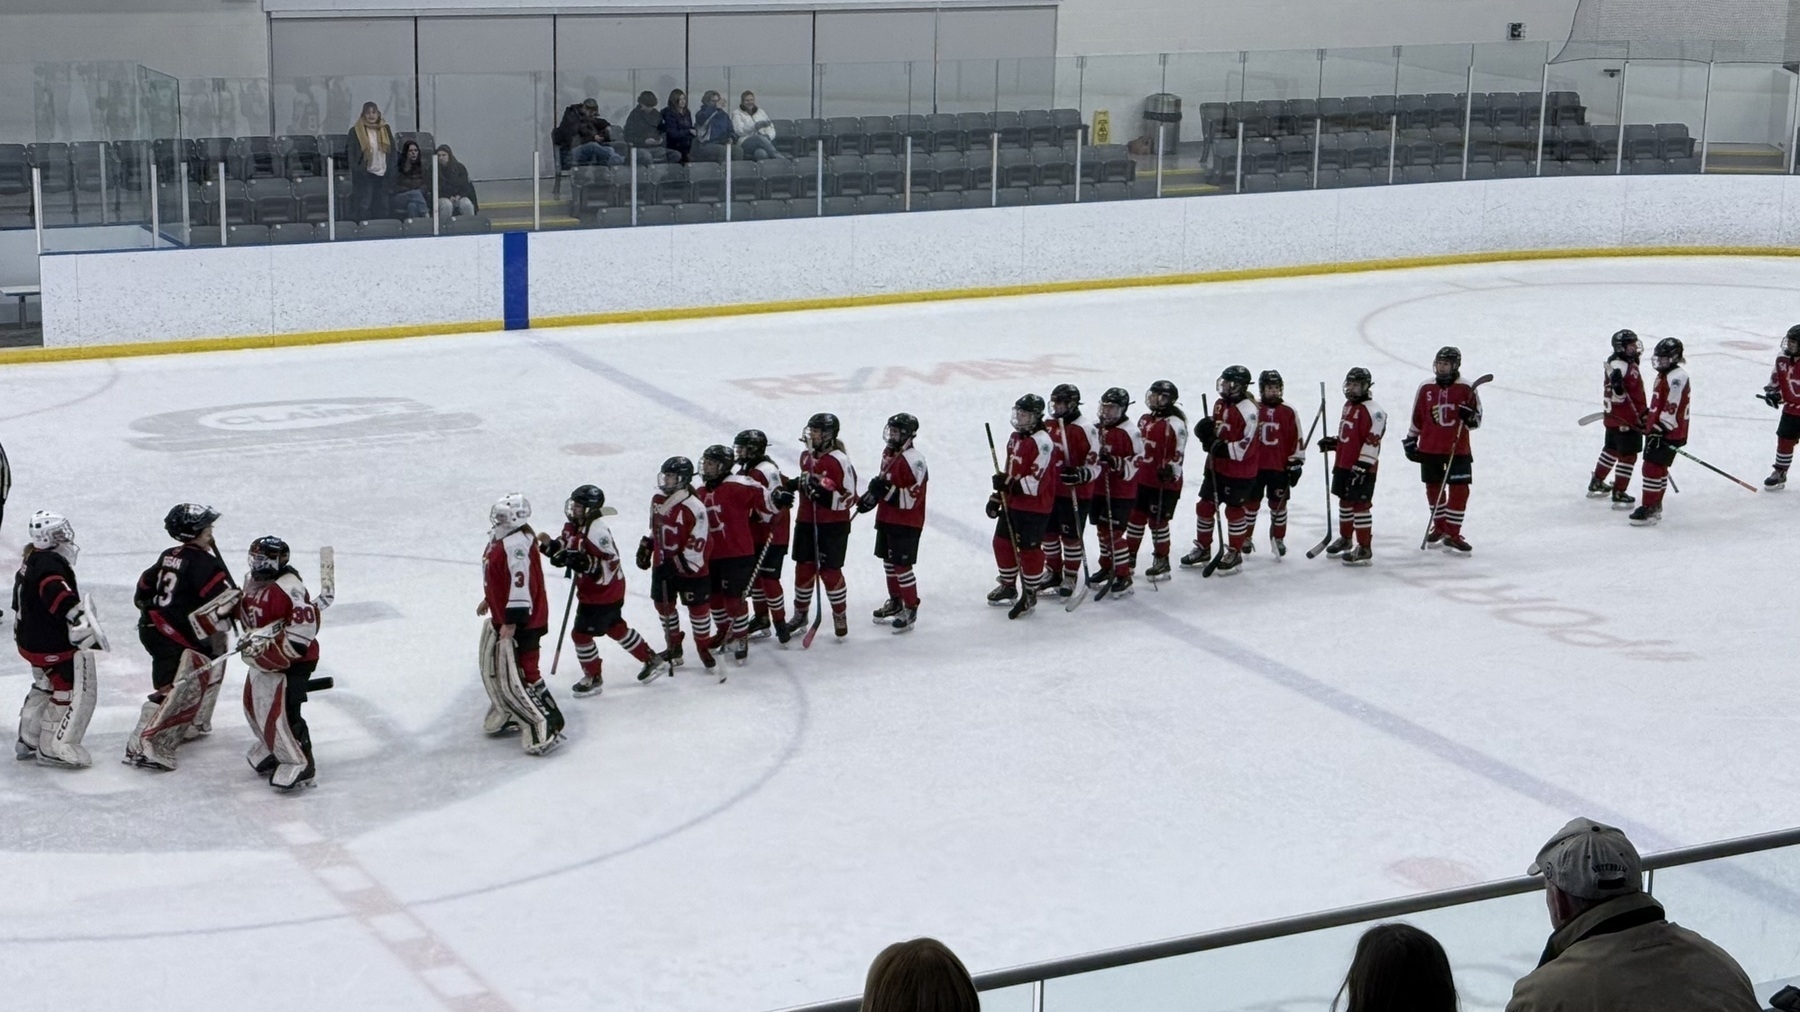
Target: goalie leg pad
(65, 720)
(202, 723)
(499, 715)
(179, 710)
(31, 714)
(265, 706)
(500, 672)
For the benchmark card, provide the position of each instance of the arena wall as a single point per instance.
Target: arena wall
(257, 296)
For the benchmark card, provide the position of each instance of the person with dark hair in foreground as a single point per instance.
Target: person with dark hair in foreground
(922, 975)
(1397, 968)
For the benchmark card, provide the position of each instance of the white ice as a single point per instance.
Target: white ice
(1211, 753)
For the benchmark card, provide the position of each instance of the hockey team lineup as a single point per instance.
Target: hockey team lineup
(441, 695)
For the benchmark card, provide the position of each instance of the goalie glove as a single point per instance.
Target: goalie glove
(215, 613)
(268, 649)
(84, 631)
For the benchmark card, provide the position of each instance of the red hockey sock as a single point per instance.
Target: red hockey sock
(1784, 454)
(1205, 512)
(770, 601)
(1622, 472)
(700, 618)
(1004, 556)
(1346, 520)
(908, 585)
(1365, 525)
(1277, 519)
(1237, 526)
(1033, 567)
(1453, 511)
(528, 665)
(671, 623)
(893, 579)
(1605, 465)
(1432, 491)
(1159, 538)
(1656, 479)
(628, 638)
(587, 653)
(805, 574)
(833, 579)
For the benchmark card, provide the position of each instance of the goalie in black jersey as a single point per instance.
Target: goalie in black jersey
(184, 600)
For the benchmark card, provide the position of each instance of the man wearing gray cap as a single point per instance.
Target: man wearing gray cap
(1612, 950)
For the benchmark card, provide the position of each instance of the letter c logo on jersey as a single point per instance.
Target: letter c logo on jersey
(1444, 413)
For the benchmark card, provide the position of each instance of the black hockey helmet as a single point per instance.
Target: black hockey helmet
(1065, 401)
(679, 468)
(1161, 396)
(716, 462)
(1790, 345)
(1669, 353)
(1357, 383)
(1028, 413)
(1114, 403)
(1447, 364)
(1234, 382)
(900, 430)
(1625, 343)
(268, 556)
(584, 504)
(826, 424)
(1270, 378)
(752, 445)
(185, 521)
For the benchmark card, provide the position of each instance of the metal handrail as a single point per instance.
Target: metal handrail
(1261, 931)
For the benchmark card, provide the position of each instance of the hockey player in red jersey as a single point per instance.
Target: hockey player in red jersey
(766, 595)
(1281, 456)
(1078, 443)
(897, 495)
(1783, 392)
(587, 551)
(1665, 429)
(828, 491)
(184, 600)
(56, 635)
(518, 615)
(675, 553)
(1622, 391)
(281, 651)
(1164, 433)
(1445, 410)
(1121, 449)
(1358, 448)
(735, 503)
(1229, 436)
(1021, 503)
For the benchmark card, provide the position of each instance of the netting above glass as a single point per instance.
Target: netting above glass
(1726, 30)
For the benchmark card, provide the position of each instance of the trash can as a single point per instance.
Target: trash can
(1163, 109)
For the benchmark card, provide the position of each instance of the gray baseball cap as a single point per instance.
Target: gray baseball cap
(1591, 861)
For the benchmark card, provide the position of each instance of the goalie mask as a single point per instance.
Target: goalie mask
(268, 557)
(508, 514)
(52, 532)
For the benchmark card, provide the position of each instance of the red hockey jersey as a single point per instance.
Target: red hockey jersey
(606, 583)
(733, 507)
(1080, 443)
(1435, 422)
(1124, 448)
(1668, 415)
(1236, 430)
(1032, 461)
(1164, 439)
(1786, 380)
(679, 530)
(776, 528)
(1277, 437)
(833, 470)
(513, 578)
(285, 600)
(1360, 429)
(1624, 409)
(905, 504)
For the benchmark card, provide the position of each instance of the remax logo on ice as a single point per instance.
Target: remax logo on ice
(286, 423)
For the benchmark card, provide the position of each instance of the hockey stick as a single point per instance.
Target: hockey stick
(1721, 473)
(819, 589)
(1443, 496)
(1081, 592)
(1219, 521)
(1310, 429)
(1325, 459)
(1591, 419)
(1105, 546)
(1012, 533)
(568, 605)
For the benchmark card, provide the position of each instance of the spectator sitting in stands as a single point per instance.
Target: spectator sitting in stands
(712, 130)
(1397, 968)
(371, 153)
(1612, 949)
(678, 125)
(643, 131)
(456, 194)
(756, 135)
(581, 138)
(411, 181)
(922, 975)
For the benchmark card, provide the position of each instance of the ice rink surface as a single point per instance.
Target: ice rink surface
(1211, 753)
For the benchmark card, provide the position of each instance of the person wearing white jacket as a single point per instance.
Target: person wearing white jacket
(755, 134)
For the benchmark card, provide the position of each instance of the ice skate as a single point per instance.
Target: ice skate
(654, 668)
(1646, 516)
(266, 768)
(1597, 488)
(888, 610)
(1231, 562)
(785, 631)
(587, 686)
(1159, 569)
(1434, 537)
(1027, 601)
(1342, 545)
(1100, 577)
(1002, 595)
(1623, 500)
(904, 622)
(740, 650)
(1357, 556)
(1278, 546)
(840, 624)
(1196, 558)
(28, 753)
(760, 629)
(1249, 547)
(673, 653)
(1453, 544)
(1121, 587)
(1776, 481)
(707, 660)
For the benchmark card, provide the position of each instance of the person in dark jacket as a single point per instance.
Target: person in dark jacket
(712, 130)
(582, 137)
(678, 124)
(371, 158)
(412, 182)
(644, 132)
(456, 194)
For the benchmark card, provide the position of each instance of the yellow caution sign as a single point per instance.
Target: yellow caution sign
(1102, 126)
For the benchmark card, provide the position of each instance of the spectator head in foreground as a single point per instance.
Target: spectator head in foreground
(647, 99)
(747, 101)
(371, 114)
(1397, 968)
(1612, 948)
(922, 975)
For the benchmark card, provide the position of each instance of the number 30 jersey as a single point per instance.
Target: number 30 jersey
(169, 592)
(283, 599)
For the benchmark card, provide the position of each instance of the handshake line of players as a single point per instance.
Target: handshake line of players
(187, 601)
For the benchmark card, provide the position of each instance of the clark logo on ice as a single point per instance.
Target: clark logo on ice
(285, 423)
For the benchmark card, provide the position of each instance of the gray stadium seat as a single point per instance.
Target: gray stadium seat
(1052, 194)
(468, 224)
(706, 183)
(880, 135)
(697, 214)
(272, 200)
(881, 203)
(288, 232)
(656, 214)
(837, 206)
(378, 228)
(247, 235)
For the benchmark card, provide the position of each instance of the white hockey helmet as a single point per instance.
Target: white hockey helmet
(50, 529)
(510, 512)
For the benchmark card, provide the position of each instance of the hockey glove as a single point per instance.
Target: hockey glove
(1616, 383)
(1771, 395)
(1327, 444)
(1073, 476)
(1221, 450)
(580, 562)
(782, 498)
(993, 506)
(867, 502)
(820, 494)
(1293, 473)
(1410, 447)
(643, 553)
(1206, 430)
(879, 487)
(1166, 473)
(999, 482)
(1469, 415)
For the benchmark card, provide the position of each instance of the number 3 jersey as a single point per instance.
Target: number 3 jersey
(168, 593)
(283, 599)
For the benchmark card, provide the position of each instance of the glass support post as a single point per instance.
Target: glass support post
(634, 193)
(537, 203)
(728, 181)
(104, 149)
(1543, 113)
(906, 202)
(1624, 87)
(1468, 115)
(37, 205)
(155, 210)
(1160, 129)
(1318, 135)
(436, 218)
(819, 181)
(224, 218)
(330, 198)
(994, 168)
(1706, 117)
(1237, 171)
(1080, 142)
(1393, 142)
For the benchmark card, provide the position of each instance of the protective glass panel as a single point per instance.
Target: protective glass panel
(1749, 906)
(968, 86)
(1665, 109)
(871, 89)
(1749, 118)
(1581, 114)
